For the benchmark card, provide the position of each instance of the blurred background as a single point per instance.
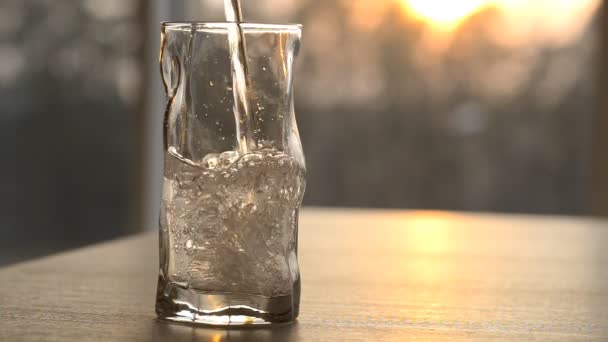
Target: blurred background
(475, 105)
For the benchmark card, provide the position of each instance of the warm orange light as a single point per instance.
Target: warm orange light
(553, 21)
(427, 231)
(519, 20)
(444, 13)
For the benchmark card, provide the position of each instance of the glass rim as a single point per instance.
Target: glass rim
(222, 25)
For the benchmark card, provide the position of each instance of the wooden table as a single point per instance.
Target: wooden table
(367, 275)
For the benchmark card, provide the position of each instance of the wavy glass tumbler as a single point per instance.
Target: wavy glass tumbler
(233, 181)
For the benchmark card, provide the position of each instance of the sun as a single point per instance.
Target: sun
(444, 13)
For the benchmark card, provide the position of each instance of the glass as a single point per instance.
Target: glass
(229, 212)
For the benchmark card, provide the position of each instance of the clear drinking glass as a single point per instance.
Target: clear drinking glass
(233, 182)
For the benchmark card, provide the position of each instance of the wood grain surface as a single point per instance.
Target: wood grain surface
(367, 275)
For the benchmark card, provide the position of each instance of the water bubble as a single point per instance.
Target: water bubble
(251, 159)
(228, 157)
(210, 160)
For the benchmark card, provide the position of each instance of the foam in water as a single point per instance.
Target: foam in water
(231, 222)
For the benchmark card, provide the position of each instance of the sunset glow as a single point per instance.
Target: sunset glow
(444, 13)
(522, 17)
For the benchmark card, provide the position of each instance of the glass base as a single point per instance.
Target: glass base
(185, 305)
